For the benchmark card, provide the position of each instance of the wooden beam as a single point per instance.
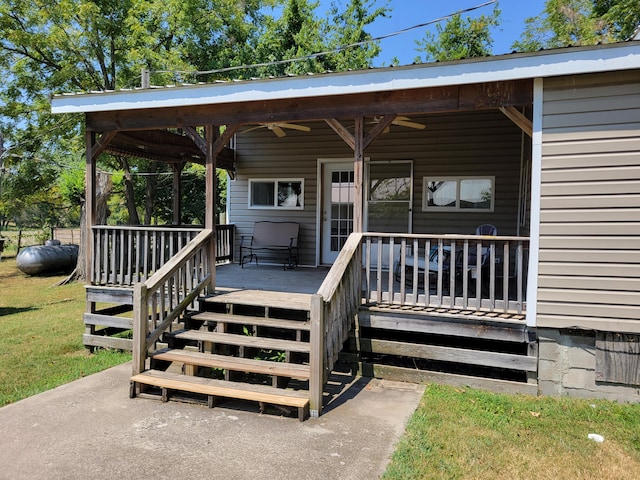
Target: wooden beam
(103, 142)
(358, 176)
(342, 132)
(380, 127)
(210, 198)
(193, 134)
(89, 203)
(224, 138)
(513, 114)
(401, 102)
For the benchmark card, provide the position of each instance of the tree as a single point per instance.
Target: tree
(49, 47)
(460, 38)
(348, 27)
(299, 34)
(580, 22)
(621, 17)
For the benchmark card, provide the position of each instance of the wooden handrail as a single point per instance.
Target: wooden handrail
(339, 267)
(333, 310)
(168, 293)
(170, 268)
(445, 236)
(148, 228)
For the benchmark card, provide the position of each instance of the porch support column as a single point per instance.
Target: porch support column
(93, 150)
(89, 203)
(358, 176)
(176, 191)
(359, 143)
(210, 199)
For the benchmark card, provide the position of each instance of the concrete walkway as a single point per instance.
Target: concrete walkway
(91, 429)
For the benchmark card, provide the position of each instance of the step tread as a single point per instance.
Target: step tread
(262, 298)
(293, 370)
(223, 388)
(243, 340)
(252, 320)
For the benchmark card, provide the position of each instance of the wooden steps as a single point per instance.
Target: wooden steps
(245, 339)
(224, 318)
(262, 298)
(221, 388)
(264, 343)
(239, 364)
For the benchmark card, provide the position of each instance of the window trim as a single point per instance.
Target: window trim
(276, 182)
(458, 179)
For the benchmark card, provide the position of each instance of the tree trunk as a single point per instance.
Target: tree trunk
(104, 186)
(150, 193)
(134, 218)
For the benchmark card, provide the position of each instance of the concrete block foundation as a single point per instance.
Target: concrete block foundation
(567, 366)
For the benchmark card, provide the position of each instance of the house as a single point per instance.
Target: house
(393, 170)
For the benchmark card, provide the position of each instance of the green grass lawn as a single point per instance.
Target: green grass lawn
(460, 433)
(41, 335)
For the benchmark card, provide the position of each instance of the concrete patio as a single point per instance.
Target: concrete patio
(91, 429)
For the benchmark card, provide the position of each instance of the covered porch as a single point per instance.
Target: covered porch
(441, 297)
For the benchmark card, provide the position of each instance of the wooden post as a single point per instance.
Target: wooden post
(358, 176)
(89, 204)
(210, 200)
(316, 355)
(140, 319)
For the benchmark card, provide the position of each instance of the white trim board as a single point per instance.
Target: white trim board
(517, 66)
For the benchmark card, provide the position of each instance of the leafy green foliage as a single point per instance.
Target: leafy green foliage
(85, 45)
(299, 34)
(580, 22)
(460, 38)
(621, 17)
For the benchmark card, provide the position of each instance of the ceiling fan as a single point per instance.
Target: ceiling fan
(401, 121)
(278, 128)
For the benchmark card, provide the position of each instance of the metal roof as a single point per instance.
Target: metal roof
(513, 66)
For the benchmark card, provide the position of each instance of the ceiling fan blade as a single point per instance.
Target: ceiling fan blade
(277, 130)
(405, 123)
(253, 128)
(293, 126)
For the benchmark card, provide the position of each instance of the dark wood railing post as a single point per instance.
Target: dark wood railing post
(140, 319)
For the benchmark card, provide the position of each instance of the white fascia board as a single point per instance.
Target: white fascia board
(566, 61)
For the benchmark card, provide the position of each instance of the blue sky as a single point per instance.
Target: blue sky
(407, 13)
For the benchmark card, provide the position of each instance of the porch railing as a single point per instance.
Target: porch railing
(165, 295)
(225, 242)
(333, 310)
(469, 272)
(125, 255)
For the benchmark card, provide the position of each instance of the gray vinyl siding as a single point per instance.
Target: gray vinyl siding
(589, 259)
(481, 143)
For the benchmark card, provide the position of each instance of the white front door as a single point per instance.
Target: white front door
(337, 208)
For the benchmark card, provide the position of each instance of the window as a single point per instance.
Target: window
(389, 196)
(285, 194)
(458, 193)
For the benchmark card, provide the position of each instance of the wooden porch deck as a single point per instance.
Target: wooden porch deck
(270, 278)
(364, 314)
